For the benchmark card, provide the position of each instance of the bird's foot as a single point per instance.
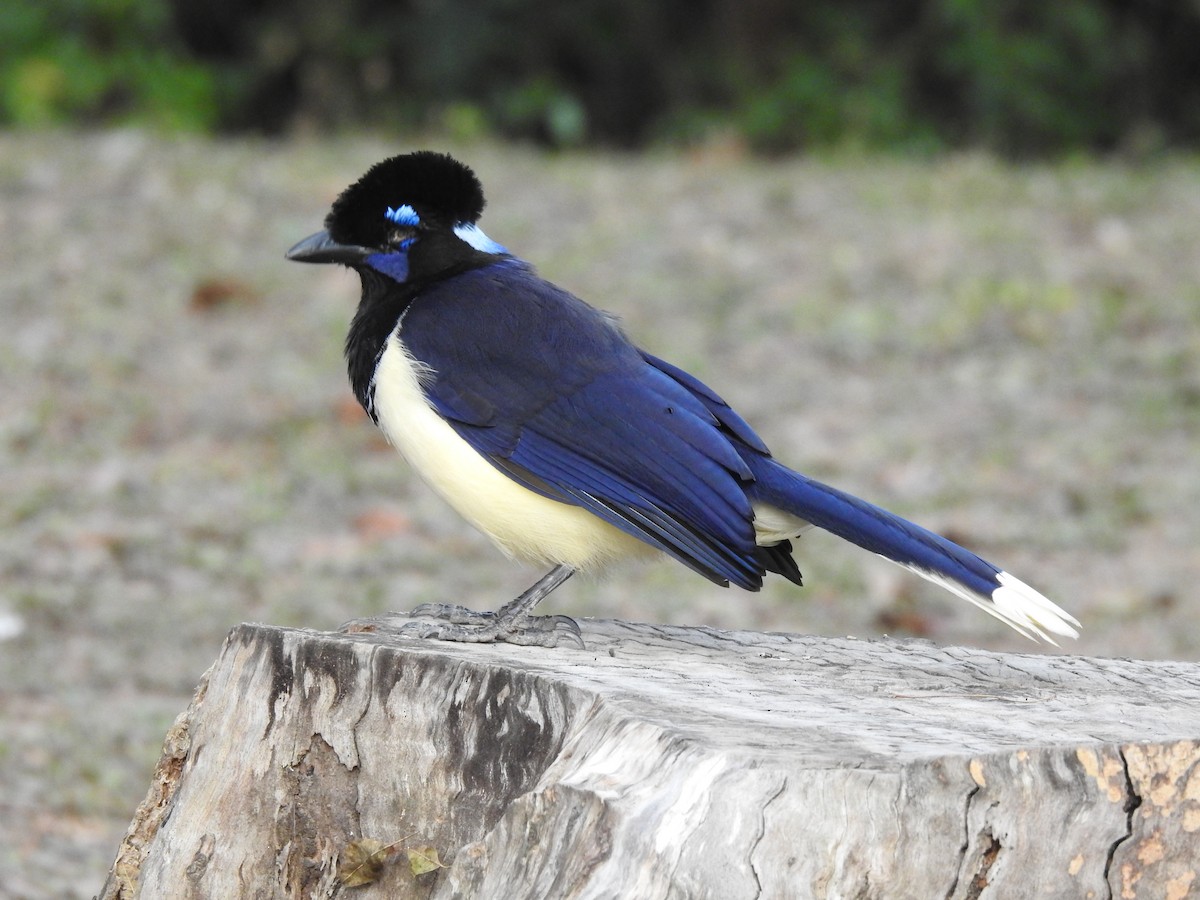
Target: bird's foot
(453, 613)
(467, 626)
(512, 624)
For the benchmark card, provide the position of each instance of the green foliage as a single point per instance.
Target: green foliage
(1018, 77)
(1036, 76)
(812, 104)
(98, 60)
(540, 106)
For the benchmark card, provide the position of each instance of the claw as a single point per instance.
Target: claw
(571, 627)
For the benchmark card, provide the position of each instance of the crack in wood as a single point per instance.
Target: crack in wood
(983, 873)
(1132, 801)
(762, 833)
(966, 844)
(369, 696)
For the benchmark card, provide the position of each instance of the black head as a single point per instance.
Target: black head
(409, 215)
(438, 188)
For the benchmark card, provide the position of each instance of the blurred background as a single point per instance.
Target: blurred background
(1016, 77)
(941, 254)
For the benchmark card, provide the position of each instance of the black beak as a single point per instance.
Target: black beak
(321, 248)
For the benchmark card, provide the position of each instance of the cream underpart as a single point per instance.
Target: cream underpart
(522, 523)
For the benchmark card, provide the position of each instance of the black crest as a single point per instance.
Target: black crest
(442, 190)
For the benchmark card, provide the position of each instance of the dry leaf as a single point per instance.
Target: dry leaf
(362, 862)
(424, 859)
(215, 292)
(379, 522)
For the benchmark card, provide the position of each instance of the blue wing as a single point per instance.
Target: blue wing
(552, 393)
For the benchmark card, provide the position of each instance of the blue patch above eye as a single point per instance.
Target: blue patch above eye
(403, 215)
(393, 265)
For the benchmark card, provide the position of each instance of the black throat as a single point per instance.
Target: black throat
(383, 302)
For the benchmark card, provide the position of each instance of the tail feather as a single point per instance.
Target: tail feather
(915, 548)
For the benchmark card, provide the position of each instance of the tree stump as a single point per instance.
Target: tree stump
(664, 762)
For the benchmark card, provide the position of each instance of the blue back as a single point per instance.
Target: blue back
(553, 393)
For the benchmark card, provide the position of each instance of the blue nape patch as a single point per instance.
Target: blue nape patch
(393, 265)
(403, 215)
(473, 235)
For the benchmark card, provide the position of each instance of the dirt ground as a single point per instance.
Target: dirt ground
(1008, 355)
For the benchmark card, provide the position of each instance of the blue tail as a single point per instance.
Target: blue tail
(870, 527)
(907, 544)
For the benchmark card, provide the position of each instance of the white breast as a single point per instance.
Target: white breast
(523, 524)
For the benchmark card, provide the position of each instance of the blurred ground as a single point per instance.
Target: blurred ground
(1009, 355)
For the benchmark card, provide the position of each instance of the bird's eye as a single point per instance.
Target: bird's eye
(402, 238)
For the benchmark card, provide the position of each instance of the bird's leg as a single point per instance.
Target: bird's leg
(511, 624)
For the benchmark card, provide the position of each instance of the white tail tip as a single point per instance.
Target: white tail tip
(1026, 610)
(1015, 604)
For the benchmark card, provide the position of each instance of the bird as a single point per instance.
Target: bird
(537, 418)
